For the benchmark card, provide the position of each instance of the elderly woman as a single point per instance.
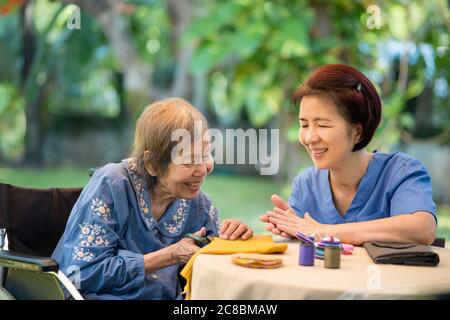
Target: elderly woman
(125, 237)
(351, 193)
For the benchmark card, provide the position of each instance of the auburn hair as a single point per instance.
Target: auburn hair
(351, 91)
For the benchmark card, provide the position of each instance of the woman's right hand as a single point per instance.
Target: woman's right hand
(279, 203)
(184, 249)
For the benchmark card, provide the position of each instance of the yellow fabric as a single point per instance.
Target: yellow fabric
(257, 244)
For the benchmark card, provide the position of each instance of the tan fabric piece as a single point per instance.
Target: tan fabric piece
(217, 277)
(253, 260)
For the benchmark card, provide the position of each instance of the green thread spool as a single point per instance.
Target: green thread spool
(333, 257)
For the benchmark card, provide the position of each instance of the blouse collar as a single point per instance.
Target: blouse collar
(173, 219)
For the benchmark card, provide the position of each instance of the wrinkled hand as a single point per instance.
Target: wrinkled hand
(233, 229)
(184, 249)
(282, 220)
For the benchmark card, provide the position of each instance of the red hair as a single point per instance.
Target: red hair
(351, 91)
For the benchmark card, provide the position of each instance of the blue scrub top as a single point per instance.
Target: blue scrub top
(111, 228)
(393, 184)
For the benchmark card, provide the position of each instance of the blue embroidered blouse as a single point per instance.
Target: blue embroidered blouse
(393, 184)
(111, 227)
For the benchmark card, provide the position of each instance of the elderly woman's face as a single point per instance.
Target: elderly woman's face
(327, 136)
(183, 181)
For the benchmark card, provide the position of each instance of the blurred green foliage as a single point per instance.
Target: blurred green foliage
(258, 51)
(252, 55)
(12, 116)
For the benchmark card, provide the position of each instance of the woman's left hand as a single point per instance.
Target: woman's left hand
(291, 224)
(283, 220)
(232, 229)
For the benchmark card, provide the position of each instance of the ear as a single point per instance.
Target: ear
(357, 133)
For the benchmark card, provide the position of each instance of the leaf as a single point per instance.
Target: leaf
(262, 104)
(394, 105)
(245, 42)
(415, 87)
(273, 97)
(398, 22)
(224, 13)
(207, 57)
(219, 86)
(407, 121)
(292, 38)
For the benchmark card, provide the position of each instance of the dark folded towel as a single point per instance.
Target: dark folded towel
(402, 253)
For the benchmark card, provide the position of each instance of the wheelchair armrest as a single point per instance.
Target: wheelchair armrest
(11, 259)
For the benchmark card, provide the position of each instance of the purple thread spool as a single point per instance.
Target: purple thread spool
(306, 255)
(306, 251)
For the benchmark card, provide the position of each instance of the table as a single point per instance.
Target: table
(216, 277)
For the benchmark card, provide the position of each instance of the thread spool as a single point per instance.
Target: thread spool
(332, 256)
(306, 254)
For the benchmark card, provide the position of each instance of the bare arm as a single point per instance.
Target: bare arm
(179, 252)
(158, 259)
(418, 227)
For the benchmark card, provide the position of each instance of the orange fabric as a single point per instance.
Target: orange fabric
(257, 244)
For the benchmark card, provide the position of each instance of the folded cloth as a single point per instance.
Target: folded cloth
(257, 244)
(256, 260)
(401, 253)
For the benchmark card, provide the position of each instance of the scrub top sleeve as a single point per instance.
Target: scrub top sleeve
(295, 198)
(90, 253)
(412, 190)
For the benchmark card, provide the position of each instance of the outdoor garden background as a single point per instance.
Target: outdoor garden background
(74, 76)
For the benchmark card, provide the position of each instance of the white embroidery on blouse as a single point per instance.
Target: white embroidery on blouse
(178, 218)
(90, 236)
(100, 209)
(214, 216)
(138, 183)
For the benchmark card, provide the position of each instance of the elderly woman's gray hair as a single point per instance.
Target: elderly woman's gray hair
(154, 130)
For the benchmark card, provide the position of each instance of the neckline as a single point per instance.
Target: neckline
(361, 192)
(173, 220)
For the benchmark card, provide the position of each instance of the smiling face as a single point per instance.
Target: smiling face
(183, 181)
(327, 136)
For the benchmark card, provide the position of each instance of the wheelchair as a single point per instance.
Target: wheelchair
(33, 220)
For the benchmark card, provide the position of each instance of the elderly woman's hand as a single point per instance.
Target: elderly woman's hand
(232, 229)
(184, 249)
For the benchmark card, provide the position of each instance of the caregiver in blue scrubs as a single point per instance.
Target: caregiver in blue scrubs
(351, 193)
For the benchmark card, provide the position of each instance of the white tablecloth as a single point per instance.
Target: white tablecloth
(216, 277)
